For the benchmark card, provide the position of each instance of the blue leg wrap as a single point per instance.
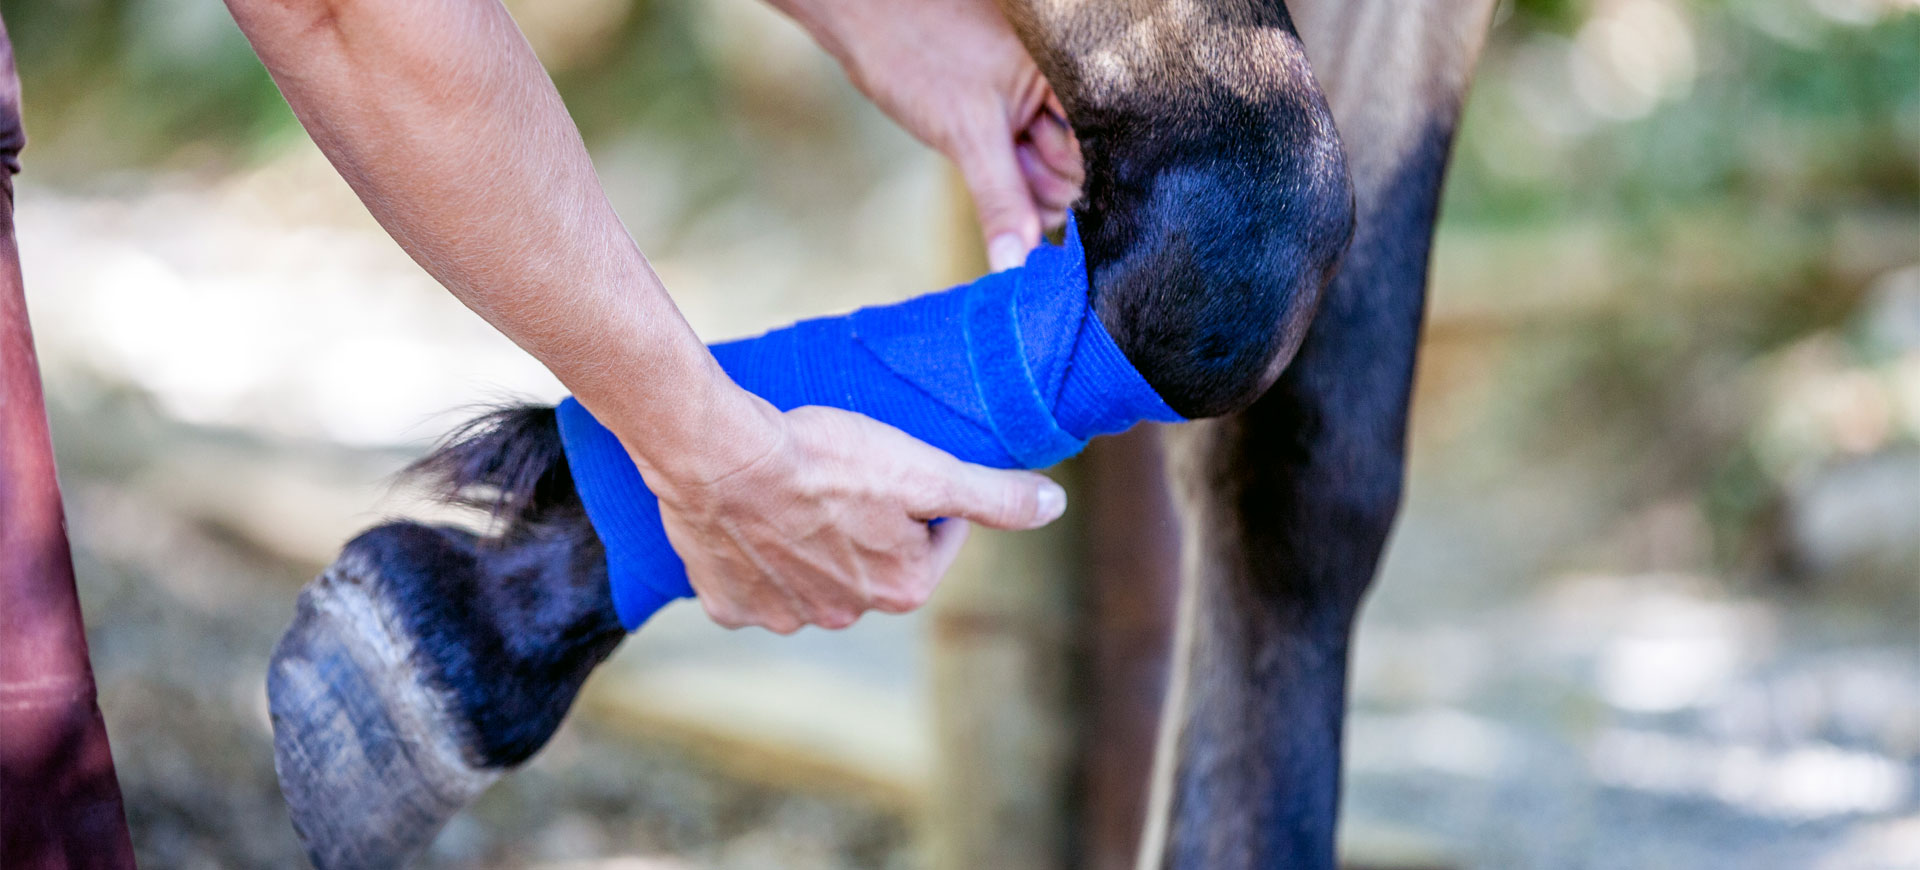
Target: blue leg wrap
(1012, 371)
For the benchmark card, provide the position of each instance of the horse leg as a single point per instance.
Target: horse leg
(1216, 203)
(428, 660)
(1289, 503)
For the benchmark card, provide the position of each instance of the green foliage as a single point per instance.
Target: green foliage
(1826, 113)
(1557, 16)
(115, 83)
(119, 84)
(1743, 214)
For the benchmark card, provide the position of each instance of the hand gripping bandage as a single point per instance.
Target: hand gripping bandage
(1012, 371)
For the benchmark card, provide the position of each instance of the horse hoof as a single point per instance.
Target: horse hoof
(365, 746)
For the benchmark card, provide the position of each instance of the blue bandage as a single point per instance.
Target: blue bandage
(1012, 371)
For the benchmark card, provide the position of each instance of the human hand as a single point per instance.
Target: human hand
(834, 520)
(953, 74)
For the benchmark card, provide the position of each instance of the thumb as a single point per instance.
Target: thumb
(1001, 198)
(1010, 500)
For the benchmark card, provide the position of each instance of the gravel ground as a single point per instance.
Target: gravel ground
(1609, 719)
(183, 611)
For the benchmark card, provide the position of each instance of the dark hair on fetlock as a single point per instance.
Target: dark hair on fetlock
(508, 462)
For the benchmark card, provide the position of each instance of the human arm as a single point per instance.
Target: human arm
(443, 121)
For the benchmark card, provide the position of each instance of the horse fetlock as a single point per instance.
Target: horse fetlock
(1218, 202)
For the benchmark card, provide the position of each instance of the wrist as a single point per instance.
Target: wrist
(705, 433)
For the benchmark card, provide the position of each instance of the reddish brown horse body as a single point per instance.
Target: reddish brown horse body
(59, 800)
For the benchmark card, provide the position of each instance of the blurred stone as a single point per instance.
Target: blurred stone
(1859, 520)
(572, 836)
(1891, 313)
(1369, 845)
(1889, 845)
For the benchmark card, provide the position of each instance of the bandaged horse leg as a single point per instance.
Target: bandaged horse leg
(1011, 371)
(1217, 205)
(426, 661)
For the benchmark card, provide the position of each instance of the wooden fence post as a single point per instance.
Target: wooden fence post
(1001, 632)
(1049, 658)
(1129, 575)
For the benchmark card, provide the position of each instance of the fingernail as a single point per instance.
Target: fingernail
(1005, 252)
(1052, 502)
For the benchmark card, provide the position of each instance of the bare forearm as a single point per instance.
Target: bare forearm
(443, 121)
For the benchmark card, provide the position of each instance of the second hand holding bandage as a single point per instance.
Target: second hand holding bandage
(1011, 371)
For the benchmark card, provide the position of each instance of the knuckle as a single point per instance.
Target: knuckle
(904, 599)
(723, 616)
(892, 601)
(834, 620)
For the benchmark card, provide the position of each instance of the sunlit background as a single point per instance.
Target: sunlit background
(1654, 600)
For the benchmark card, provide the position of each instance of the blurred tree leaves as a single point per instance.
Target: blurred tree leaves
(1782, 99)
(1782, 105)
(124, 84)
(1743, 217)
(115, 83)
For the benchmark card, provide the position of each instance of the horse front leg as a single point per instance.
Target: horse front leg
(1289, 504)
(428, 661)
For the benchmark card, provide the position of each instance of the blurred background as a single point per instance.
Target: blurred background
(1654, 600)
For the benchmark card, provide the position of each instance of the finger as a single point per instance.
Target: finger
(947, 538)
(1056, 146)
(904, 601)
(944, 537)
(824, 600)
(1051, 192)
(1001, 198)
(819, 588)
(748, 602)
(779, 620)
(997, 499)
(840, 594)
(835, 619)
(722, 613)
